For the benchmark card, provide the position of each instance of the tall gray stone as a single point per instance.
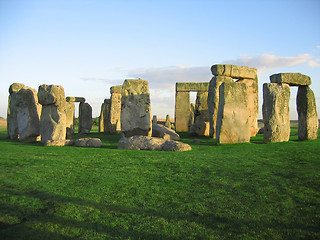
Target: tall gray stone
(114, 123)
(232, 120)
(70, 108)
(168, 121)
(53, 114)
(154, 119)
(182, 111)
(13, 102)
(104, 116)
(135, 108)
(201, 112)
(307, 113)
(85, 118)
(28, 115)
(276, 112)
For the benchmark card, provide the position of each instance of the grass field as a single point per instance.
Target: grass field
(232, 191)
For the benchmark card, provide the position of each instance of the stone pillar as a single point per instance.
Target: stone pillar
(154, 119)
(276, 112)
(85, 118)
(182, 111)
(28, 115)
(114, 122)
(135, 108)
(53, 114)
(104, 116)
(201, 113)
(70, 108)
(168, 121)
(232, 120)
(307, 113)
(13, 102)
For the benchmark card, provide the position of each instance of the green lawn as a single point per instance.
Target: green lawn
(232, 191)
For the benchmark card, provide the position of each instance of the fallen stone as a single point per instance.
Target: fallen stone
(307, 114)
(176, 146)
(88, 142)
(161, 131)
(75, 99)
(275, 111)
(293, 79)
(200, 129)
(236, 72)
(59, 143)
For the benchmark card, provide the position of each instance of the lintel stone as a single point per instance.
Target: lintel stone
(293, 79)
(236, 72)
(192, 86)
(116, 89)
(75, 99)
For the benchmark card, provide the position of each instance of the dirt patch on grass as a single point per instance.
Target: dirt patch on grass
(3, 122)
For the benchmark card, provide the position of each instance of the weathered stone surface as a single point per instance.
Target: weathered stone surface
(201, 112)
(192, 86)
(75, 99)
(70, 108)
(213, 101)
(191, 117)
(168, 121)
(200, 129)
(104, 116)
(53, 114)
(237, 72)
(85, 118)
(276, 112)
(261, 130)
(182, 111)
(114, 123)
(28, 115)
(135, 108)
(152, 144)
(293, 79)
(232, 119)
(154, 119)
(88, 142)
(161, 131)
(307, 113)
(253, 106)
(15, 87)
(51, 94)
(59, 143)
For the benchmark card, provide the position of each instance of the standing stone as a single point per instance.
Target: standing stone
(53, 114)
(232, 119)
(13, 102)
(28, 115)
(104, 116)
(307, 114)
(154, 119)
(168, 121)
(253, 106)
(70, 108)
(276, 112)
(135, 108)
(85, 118)
(182, 111)
(201, 113)
(200, 129)
(213, 101)
(191, 117)
(114, 122)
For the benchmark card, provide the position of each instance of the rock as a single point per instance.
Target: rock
(154, 119)
(104, 116)
(232, 119)
(276, 112)
(213, 101)
(59, 143)
(13, 102)
(200, 129)
(307, 113)
(88, 142)
(201, 113)
(168, 121)
(114, 123)
(161, 131)
(28, 115)
(70, 108)
(183, 111)
(85, 118)
(151, 143)
(261, 130)
(293, 79)
(233, 71)
(75, 99)
(53, 114)
(135, 108)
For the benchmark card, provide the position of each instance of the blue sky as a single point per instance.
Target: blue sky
(89, 46)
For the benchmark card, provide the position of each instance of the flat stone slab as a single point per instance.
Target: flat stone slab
(75, 99)
(237, 72)
(81, 142)
(192, 86)
(116, 89)
(293, 79)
